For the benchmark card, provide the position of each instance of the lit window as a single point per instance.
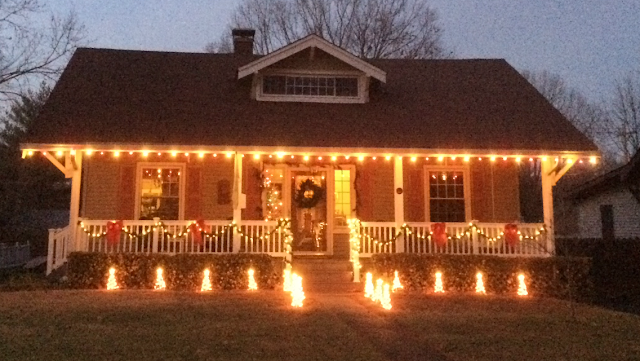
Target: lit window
(446, 196)
(272, 182)
(343, 197)
(160, 193)
(322, 86)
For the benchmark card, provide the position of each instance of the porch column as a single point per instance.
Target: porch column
(239, 201)
(550, 173)
(546, 175)
(73, 165)
(398, 201)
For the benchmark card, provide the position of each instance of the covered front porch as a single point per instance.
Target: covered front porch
(405, 201)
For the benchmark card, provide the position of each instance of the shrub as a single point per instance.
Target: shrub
(561, 277)
(181, 272)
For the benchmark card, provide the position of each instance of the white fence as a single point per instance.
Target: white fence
(464, 239)
(59, 240)
(12, 255)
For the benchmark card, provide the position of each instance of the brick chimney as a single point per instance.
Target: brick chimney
(243, 41)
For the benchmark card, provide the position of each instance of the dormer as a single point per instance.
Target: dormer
(311, 70)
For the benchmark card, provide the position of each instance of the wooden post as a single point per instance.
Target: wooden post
(547, 178)
(238, 200)
(156, 235)
(50, 251)
(73, 165)
(475, 241)
(398, 204)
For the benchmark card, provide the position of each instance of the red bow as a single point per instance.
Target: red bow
(196, 229)
(511, 235)
(113, 232)
(439, 235)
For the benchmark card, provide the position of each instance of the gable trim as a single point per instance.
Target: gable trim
(308, 42)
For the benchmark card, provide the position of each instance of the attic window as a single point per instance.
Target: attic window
(313, 86)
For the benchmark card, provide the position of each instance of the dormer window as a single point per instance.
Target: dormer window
(343, 87)
(320, 86)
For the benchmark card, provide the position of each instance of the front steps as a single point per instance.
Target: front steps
(325, 275)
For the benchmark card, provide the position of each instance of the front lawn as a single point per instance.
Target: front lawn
(234, 325)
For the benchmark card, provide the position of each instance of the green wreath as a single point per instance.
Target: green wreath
(308, 195)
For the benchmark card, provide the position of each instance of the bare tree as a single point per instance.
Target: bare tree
(32, 50)
(625, 115)
(588, 117)
(367, 28)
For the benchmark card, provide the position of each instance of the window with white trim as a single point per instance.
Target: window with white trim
(343, 193)
(311, 85)
(446, 194)
(160, 192)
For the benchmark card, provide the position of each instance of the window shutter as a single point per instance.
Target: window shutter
(127, 192)
(193, 206)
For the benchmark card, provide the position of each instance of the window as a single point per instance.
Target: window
(446, 196)
(342, 197)
(319, 86)
(160, 192)
(273, 188)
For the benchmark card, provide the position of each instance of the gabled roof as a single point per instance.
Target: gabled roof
(627, 176)
(156, 98)
(312, 41)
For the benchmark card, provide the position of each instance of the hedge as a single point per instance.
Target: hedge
(181, 272)
(548, 276)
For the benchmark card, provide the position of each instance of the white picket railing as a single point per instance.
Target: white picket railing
(463, 241)
(260, 237)
(59, 239)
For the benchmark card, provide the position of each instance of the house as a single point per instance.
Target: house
(608, 206)
(310, 132)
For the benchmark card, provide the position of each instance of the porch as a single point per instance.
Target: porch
(270, 237)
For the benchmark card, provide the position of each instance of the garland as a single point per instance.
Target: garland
(308, 195)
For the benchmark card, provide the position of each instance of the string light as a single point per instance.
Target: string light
(206, 282)
(387, 157)
(480, 284)
(413, 159)
(438, 288)
(256, 156)
(116, 154)
(385, 301)
(396, 283)
(297, 293)
(111, 281)
(440, 159)
(466, 159)
(522, 287)
(334, 158)
(361, 158)
(368, 286)
(253, 286)
(89, 151)
(160, 284)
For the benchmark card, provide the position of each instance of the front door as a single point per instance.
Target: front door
(309, 211)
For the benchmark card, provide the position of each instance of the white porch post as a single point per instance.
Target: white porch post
(546, 175)
(398, 198)
(238, 198)
(73, 165)
(550, 173)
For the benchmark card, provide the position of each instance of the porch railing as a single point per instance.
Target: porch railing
(59, 239)
(377, 237)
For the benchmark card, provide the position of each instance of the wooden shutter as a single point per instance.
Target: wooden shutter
(127, 192)
(193, 205)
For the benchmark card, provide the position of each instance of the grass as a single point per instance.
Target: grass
(147, 325)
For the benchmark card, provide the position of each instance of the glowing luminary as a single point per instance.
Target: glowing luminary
(286, 284)
(522, 287)
(111, 281)
(396, 283)
(206, 282)
(160, 284)
(438, 287)
(386, 298)
(377, 294)
(252, 282)
(297, 293)
(368, 287)
(480, 284)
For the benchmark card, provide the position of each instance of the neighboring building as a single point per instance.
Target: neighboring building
(151, 137)
(609, 206)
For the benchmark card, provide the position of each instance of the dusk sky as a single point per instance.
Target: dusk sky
(590, 43)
